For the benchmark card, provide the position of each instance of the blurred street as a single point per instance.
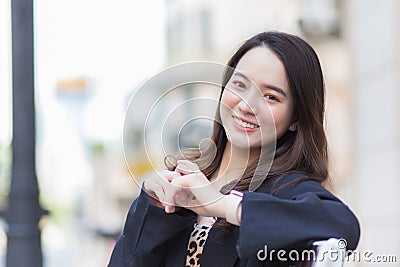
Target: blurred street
(70, 245)
(92, 56)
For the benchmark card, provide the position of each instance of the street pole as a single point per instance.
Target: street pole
(24, 211)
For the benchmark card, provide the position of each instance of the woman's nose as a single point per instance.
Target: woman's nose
(248, 105)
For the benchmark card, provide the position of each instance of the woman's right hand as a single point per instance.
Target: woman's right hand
(161, 191)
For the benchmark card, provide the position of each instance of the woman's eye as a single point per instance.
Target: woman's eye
(239, 84)
(271, 97)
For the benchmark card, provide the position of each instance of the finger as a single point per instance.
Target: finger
(187, 183)
(169, 209)
(169, 198)
(150, 186)
(202, 192)
(181, 198)
(182, 181)
(186, 167)
(191, 180)
(164, 178)
(154, 190)
(167, 176)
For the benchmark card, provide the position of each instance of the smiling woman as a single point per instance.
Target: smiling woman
(272, 93)
(254, 98)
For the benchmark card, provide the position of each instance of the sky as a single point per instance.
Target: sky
(113, 45)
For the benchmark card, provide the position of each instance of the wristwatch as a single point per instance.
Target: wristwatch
(234, 199)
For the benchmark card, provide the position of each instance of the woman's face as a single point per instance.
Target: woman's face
(256, 105)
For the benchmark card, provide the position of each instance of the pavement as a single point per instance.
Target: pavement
(68, 245)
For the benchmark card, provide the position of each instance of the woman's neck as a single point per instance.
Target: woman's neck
(233, 164)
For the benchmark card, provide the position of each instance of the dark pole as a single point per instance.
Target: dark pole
(23, 212)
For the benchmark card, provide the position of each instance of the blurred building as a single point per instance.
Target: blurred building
(373, 38)
(210, 30)
(357, 42)
(358, 46)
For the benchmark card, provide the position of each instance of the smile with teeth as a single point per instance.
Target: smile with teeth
(245, 124)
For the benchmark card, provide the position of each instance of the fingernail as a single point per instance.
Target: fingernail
(168, 209)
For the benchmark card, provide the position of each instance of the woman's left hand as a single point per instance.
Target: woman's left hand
(201, 196)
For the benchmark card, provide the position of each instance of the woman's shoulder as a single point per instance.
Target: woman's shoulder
(292, 183)
(275, 181)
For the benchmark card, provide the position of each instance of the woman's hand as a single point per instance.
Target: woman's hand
(195, 192)
(159, 187)
(185, 187)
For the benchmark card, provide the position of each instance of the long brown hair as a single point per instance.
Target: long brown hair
(304, 150)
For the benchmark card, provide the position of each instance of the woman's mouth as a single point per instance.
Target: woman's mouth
(245, 125)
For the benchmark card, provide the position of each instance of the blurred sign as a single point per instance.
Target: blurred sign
(72, 86)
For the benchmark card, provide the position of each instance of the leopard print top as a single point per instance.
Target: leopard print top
(197, 239)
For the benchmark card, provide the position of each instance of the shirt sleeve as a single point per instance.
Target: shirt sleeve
(146, 233)
(299, 215)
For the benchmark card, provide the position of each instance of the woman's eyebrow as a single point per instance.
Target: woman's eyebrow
(265, 85)
(274, 88)
(237, 73)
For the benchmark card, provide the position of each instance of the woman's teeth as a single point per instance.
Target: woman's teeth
(245, 124)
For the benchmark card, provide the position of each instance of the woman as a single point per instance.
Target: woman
(273, 90)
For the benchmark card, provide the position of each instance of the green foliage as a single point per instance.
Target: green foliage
(97, 148)
(5, 172)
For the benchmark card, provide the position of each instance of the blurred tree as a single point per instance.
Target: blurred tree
(5, 164)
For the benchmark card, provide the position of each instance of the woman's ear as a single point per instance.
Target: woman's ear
(293, 127)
